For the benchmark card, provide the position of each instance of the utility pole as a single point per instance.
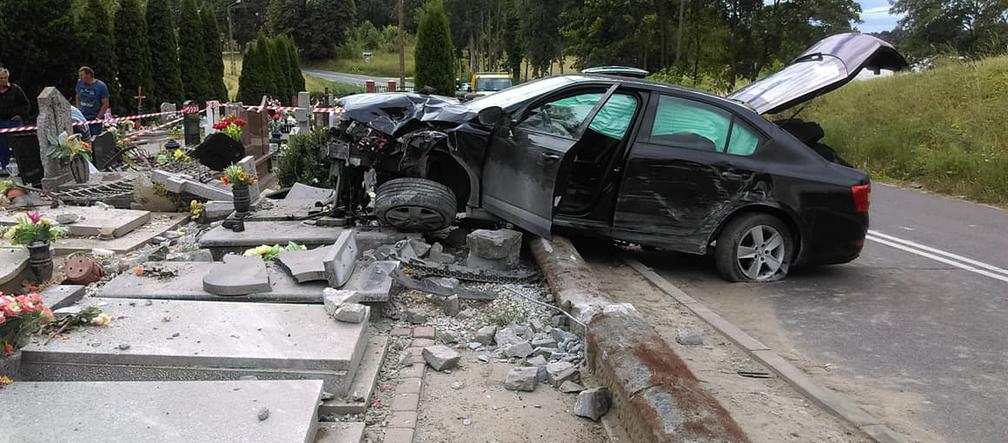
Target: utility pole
(678, 49)
(402, 46)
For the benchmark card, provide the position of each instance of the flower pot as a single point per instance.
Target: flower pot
(79, 169)
(242, 201)
(40, 261)
(13, 193)
(82, 270)
(10, 364)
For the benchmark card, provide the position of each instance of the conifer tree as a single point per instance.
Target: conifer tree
(164, 55)
(296, 78)
(192, 57)
(214, 56)
(132, 57)
(97, 44)
(434, 54)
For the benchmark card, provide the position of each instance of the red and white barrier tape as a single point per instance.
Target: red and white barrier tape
(189, 110)
(137, 134)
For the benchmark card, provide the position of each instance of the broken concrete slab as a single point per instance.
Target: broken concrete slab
(304, 192)
(340, 432)
(496, 249)
(92, 220)
(332, 299)
(284, 210)
(341, 259)
(592, 403)
(221, 240)
(191, 340)
(522, 379)
(436, 254)
(365, 380)
(373, 283)
(13, 260)
(61, 296)
(186, 283)
(237, 275)
(158, 225)
(351, 313)
(182, 183)
(371, 237)
(485, 335)
(560, 372)
(305, 266)
(166, 411)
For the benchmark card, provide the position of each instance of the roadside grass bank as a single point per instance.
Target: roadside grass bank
(383, 64)
(314, 85)
(943, 129)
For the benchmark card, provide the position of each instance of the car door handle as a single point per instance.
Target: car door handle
(550, 158)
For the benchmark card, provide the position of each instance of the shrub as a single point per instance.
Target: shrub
(435, 55)
(299, 161)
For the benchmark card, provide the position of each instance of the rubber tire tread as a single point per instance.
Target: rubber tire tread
(727, 245)
(415, 192)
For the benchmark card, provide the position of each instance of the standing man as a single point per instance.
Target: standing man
(92, 97)
(14, 109)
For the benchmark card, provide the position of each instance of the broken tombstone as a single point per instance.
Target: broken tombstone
(351, 313)
(237, 275)
(305, 265)
(341, 259)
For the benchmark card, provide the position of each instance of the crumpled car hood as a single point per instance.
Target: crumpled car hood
(395, 113)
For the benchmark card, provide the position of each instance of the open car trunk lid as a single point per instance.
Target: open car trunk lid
(827, 65)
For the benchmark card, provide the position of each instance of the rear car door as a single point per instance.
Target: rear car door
(689, 167)
(524, 159)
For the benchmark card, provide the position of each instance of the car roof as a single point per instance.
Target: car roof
(657, 87)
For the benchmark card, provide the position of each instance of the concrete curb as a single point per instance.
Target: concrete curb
(824, 398)
(654, 394)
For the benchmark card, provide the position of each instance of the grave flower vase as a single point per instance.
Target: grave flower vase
(40, 260)
(79, 169)
(242, 202)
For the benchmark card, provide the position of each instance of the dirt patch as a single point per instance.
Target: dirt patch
(767, 409)
(482, 410)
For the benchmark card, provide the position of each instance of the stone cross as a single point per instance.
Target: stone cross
(53, 118)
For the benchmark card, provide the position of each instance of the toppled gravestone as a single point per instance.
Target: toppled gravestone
(522, 379)
(341, 259)
(237, 275)
(441, 357)
(592, 403)
(495, 249)
(305, 266)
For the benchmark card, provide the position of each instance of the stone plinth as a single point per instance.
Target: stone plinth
(93, 220)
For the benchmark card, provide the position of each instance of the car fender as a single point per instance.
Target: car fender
(788, 215)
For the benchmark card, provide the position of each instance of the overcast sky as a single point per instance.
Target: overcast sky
(875, 16)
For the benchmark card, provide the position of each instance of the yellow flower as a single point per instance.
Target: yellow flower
(101, 320)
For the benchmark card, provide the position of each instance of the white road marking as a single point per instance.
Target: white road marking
(940, 256)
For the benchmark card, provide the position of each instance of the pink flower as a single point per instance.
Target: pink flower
(3, 318)
(34, 216)
(26, 306)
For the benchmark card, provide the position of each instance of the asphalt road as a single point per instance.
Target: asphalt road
(915, 330)
(353, 79)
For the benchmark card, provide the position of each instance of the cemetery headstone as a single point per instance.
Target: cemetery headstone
(103, 149)
(53, 119)
(167, 107)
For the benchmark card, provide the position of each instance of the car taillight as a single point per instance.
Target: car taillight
(861, 195)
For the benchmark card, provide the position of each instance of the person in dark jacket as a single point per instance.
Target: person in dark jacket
(14, 109)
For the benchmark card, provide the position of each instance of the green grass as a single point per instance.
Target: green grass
(383, 64)
(314, 85)
(943, 128)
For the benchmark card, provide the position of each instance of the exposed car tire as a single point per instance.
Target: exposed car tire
(754, 247)
(415, 204)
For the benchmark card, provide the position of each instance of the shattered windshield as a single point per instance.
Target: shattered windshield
(518, 94)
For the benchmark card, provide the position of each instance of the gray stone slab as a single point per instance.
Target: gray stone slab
(370, 238)
(61, 296)
(373, 283)
(269, 233)
(192, 340)
(237, 275)
(305, 266)
(341, 259)
(362, 387)
(340, 432)
(304, 192)
(187, 284)
(13, 260)
(93, 220)
(183, 412)
(180, 183)
(283, 210)
(140, 237)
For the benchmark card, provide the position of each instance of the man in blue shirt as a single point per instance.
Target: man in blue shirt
(92, 97)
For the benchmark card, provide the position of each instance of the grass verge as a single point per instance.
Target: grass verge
(314, 85)
(943, 128)
(383, 64)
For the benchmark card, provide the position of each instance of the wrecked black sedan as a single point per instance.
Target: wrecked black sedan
(626, 159)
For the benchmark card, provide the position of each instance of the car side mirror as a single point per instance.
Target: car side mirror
(491, 116)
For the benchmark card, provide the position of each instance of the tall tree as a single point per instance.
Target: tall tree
(297, 80)
(132, 57)
(513, 40)
(279, 66)
(38, 45)
(335, 17)
(255, 80)
(97, 44)
(214, 56)
(967, 27)
(192, 54)
(434, 56)
(164, 55)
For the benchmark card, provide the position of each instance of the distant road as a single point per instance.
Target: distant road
(353, 79)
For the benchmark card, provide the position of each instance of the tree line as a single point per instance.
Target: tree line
(166, 51)
(270, 67)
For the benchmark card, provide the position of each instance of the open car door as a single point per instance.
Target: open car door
(524, 159)
(827, 65)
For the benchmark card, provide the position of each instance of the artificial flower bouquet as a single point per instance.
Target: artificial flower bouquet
(231, 126)
(236, 177)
